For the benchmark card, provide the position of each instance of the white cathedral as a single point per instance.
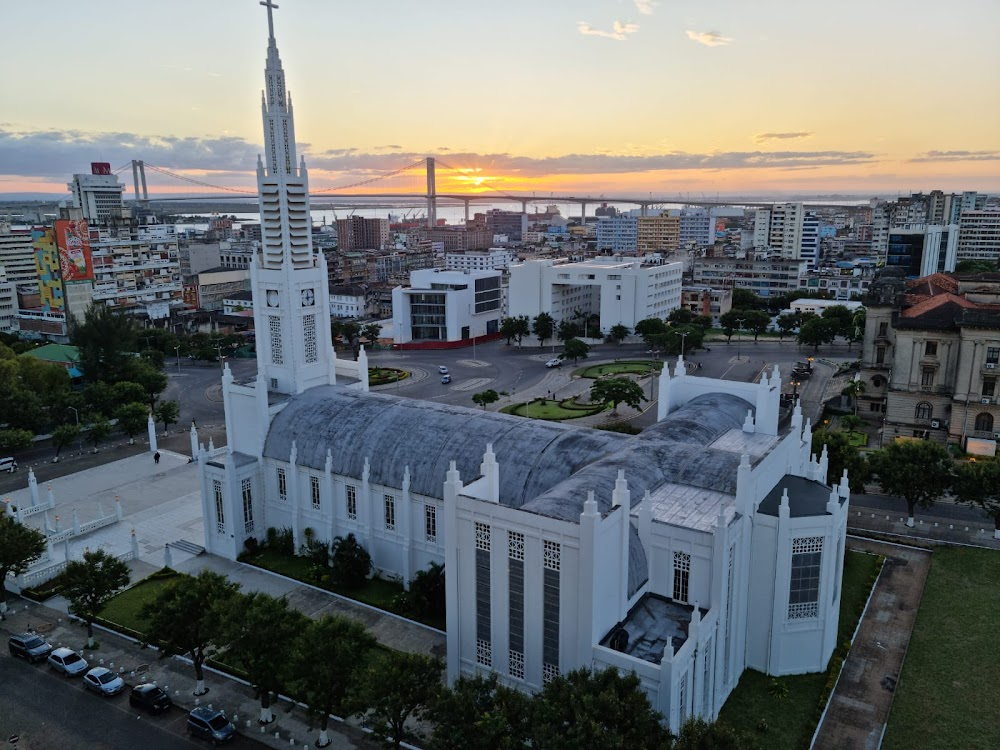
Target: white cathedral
(707, 544)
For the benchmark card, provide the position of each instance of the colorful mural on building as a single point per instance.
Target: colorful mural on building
(50, 287)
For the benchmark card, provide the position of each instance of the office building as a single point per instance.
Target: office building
(617, 235)
(494, 259)
(442, 306)
(98, 194)
(17, 256)
(762, 277)
(360, 233)
(656, 234)
(979, 236)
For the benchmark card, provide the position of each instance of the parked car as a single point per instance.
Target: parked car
(103, 681)
(554, 362)
(150, 697)
(442, 369)
(67, 661)
(8, 464)
(445, 379)
(210, 724)
(29, 646)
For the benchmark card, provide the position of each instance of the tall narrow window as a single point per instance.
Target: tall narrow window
(246, 487)
(682, 695)
(309, 338)
(220, 508)
(551, 566)
(314, 491)
(484, 644)
(282, 485)
(984, 422)
(682, 575)
(930, 349)
(352, 503)
(879, 355)
(274, 328)
(430, 523)
(727, 666)
(989, 388)
(923, 410)
(803, 589)
(390, 512)
(515, 568)
(927, 377)
(706, 678)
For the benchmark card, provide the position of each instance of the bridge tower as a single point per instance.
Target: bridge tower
(431, 194)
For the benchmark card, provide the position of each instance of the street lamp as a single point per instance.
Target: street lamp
(653, 353)
(177, 351)
(683, 336)
(76, 414)
(739, 338)
(795, 390)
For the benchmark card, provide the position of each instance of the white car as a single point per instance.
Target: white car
(102, 680)
(442, 369)
(67, 661)
(554, 362)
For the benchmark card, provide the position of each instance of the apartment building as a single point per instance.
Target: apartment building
(710, 301)
(762, 277)
(494, 259)
(17, 256)
(979, 236)
(618, 235)
(360, 233)
(136, 266)
(658, 233)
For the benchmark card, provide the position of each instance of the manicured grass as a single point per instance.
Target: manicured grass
(858, 439)
(947, 693)
(123, 609)
(383, 375)
(625, 367)
(554, 410)
(792, 720)
(376, 592)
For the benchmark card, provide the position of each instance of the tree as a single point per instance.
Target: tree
(106, 339)
(680, 316)
(522, 328)
(394, 688)
(63, 436)
(152, 381)
(919, 471)
(544, 327)
(508, 329)
(616, 391)
(744, 299)
(350, 562)
(20, 546)
(852, 390)
(698, 734)
(372, 332)
(978, 483)
(851, 422)
(648, 328)
(787, 324)
(584, 709)
(102, 398)
(15, 440)
(125, 392)
(757, 321)
(485, 398)
(734, 320)
(816, 331)
(132, 418)
(576, 349)
(841, 317)
(326, 660)
(167, 412)
(479, 712)
(88, 585)
(567, 330)
(841, 454)
(427, 596)
(99, 431)
(976, 266)
(260, 632)
(618, 333)
(187, 618)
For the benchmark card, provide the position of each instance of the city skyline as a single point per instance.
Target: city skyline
(604, 97)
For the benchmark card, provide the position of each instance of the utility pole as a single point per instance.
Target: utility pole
(739, 337)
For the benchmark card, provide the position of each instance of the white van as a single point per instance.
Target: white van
(8, 464)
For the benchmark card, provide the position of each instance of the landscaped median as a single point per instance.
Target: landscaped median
(554, 410)
(785, 711)
(947, 693)
(620, 367)
(385, 375)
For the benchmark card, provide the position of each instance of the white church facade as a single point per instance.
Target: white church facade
(708, 544)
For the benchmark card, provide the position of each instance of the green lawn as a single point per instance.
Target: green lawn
(543, 408)
(629, 367)
(858, 439)
(123, 609)
(792, 720)
(947, 693)
(383, 375)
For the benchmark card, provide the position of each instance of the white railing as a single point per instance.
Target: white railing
(37, 577)
(98, 523)
(130, 555)
(34, 510)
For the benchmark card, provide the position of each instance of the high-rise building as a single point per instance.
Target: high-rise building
(512, 224)
(17, 256)
(136, 266)
(8, 304)
(658, 233)
(979, 235)
(98, 194)
(923, 251)
(617, 235)
(788, 230)
(696, 227)
(359, 233)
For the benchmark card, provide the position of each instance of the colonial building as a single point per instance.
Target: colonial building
(931, 358)
(707, 544)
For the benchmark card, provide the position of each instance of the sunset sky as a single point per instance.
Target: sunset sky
(572, 96)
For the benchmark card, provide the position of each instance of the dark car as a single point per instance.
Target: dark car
(29, 646)
(149, 697)
(210, 724)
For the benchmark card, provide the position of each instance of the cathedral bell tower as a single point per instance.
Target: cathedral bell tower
(290, 285)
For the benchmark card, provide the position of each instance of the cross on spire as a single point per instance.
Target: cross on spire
(271, 6)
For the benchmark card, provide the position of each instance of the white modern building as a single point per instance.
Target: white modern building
(763, 277)
(494, 259)
(98, 195)
(8, 303)
(618, 235)
(447, 306)
(706, 545)
(789, 231)
(818, 306)
(979, 236)
(17, 256)
(696, 227)
(347, 301)
(620, 290)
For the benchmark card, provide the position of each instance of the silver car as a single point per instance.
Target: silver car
(102, 680)
(67, 661)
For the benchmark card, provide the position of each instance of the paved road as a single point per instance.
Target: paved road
(45, 710)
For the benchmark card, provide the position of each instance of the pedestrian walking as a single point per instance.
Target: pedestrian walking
(156, 458)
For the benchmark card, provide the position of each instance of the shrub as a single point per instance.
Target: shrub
(281, 541)
(315, 549)
(351, 563)
(427, 592)
(251, 546)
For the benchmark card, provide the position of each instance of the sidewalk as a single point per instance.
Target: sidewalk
(177, 678)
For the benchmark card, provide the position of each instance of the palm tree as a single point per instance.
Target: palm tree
(854, 389)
